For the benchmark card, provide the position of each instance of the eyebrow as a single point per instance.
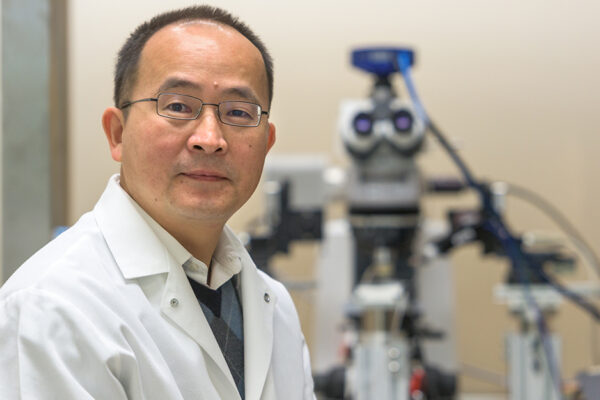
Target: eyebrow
(240, 91)
(173, 83)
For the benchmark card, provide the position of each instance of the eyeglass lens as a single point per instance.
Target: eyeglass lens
(179, 106)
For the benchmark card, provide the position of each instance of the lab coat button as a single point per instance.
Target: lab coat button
(174, 302)
(267, 297)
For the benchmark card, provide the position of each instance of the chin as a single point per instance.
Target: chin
(205, 208)
(201, 212)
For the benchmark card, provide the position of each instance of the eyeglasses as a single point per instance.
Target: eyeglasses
(184, 107)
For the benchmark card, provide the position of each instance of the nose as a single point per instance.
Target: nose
(207, 135)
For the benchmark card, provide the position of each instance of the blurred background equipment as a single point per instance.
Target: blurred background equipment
(374, 262)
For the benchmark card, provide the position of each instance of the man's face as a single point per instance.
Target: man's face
(199, 170)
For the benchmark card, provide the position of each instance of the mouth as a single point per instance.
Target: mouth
(205, 175)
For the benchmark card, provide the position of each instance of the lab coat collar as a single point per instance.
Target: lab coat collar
(137, 250)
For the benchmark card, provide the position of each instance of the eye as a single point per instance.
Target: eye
(178, 108)
(239, 113)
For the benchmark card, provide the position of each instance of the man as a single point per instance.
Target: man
(150, 295)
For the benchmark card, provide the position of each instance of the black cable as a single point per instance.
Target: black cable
(563, 223)
(574, 297)
(559, 219)
(497, 227)
(508, 241)
(584, 247)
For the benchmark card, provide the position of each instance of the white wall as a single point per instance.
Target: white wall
(514, 83)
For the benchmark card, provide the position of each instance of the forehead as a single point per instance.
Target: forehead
(205, 54)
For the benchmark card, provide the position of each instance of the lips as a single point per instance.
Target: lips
(205, 175)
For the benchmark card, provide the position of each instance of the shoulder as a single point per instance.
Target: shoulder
(69, 287)
(63, 263)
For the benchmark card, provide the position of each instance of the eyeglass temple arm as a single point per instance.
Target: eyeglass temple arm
(128, 103)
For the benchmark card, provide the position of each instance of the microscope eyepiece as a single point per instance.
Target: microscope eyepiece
(403, 121)
(363, 124)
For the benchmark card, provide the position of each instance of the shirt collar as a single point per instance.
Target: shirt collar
(227, 260)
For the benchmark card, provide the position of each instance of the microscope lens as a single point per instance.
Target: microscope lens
(403, 121)
(363, 124)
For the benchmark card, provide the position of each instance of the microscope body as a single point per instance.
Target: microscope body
(369, 263)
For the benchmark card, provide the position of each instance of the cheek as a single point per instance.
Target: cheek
(148, 156)
(251, 162)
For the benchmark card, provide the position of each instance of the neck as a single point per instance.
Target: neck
(200, 241)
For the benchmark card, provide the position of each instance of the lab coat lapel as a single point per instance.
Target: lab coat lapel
(258, 303)
(179, 304)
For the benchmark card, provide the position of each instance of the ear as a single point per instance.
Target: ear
(271, 138)
(113, 123)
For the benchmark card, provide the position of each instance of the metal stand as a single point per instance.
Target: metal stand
(381, 367)
(531, 375)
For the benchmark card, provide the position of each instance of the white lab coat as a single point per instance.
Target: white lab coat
(104, 312)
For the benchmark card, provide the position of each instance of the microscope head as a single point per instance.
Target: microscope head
(381, 132)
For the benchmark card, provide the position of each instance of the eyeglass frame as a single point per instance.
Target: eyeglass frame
(155, 99)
